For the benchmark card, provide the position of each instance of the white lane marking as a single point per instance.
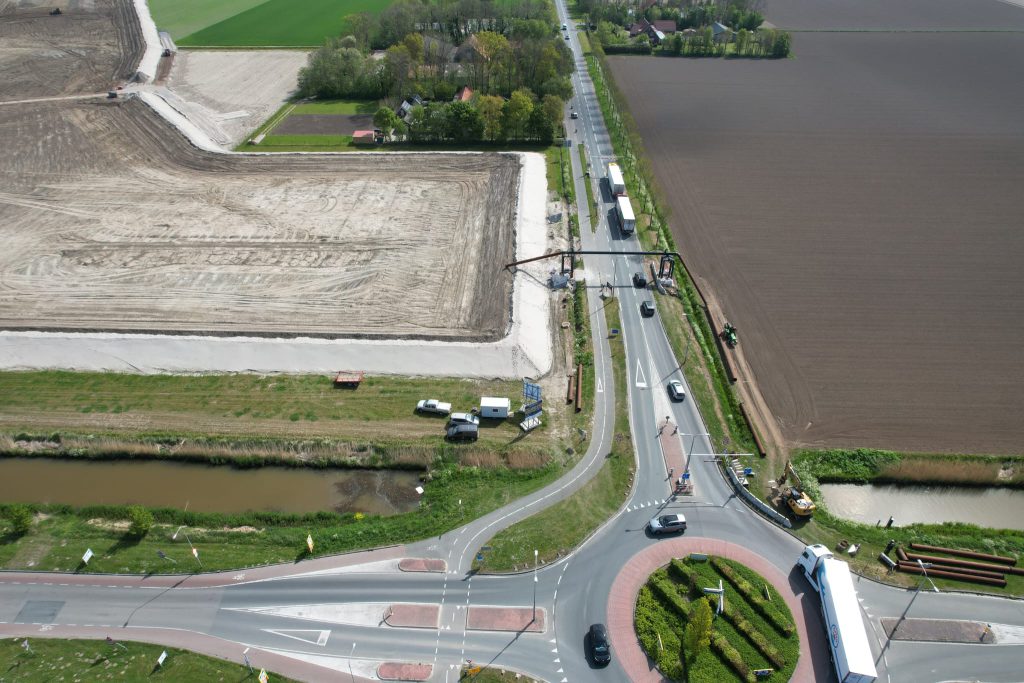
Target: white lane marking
(304, 635)
(641, 381)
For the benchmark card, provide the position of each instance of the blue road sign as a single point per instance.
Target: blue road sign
(531, 391)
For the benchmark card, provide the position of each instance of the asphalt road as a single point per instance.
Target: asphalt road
(329, 617)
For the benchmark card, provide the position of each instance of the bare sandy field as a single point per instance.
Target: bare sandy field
(230, 93)
(89, 48)
(111, 221)
(857, 212)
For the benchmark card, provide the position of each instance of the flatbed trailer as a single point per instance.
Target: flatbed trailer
(348, 380)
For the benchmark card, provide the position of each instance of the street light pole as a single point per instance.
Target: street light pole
(534, 586)
(350, 653)
(690, 451)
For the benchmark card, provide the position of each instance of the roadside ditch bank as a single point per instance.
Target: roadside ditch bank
(872, 466)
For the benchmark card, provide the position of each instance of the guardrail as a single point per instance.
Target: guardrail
(758, 504)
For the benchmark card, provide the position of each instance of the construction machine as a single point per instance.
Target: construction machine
(794, 496)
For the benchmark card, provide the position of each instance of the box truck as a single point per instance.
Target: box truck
(844, 627)
(624, 212)
(616, 183)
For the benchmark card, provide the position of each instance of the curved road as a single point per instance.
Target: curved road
(325, 612)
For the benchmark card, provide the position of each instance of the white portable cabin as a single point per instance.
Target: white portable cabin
(492, 406)
(624, 210)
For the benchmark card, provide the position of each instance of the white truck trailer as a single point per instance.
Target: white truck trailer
(624, 211)
(616, 183)
(847, 638)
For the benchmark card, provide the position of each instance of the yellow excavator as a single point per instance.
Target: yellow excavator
(793, 495)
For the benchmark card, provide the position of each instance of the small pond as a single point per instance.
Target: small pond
(997, 508)
(206, 488)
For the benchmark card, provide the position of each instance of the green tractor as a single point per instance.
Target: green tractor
(729, 336)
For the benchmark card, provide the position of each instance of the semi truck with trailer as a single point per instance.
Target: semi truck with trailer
(624, 212)
(616, 183)
(847, 638)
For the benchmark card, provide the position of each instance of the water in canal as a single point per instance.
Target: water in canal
(206, 488)
(997, 508)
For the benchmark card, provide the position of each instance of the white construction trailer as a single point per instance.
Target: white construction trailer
(847, 637)
(494, 407)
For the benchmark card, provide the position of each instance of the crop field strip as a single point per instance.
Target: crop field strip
(861, 233)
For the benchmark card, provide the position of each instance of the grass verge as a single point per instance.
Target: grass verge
(885, 466)
(337, 107)
(591, 204)
(488, 674)
(59, 535)
(742, 640)
(241, 408)
(561, 527)
(96, 660)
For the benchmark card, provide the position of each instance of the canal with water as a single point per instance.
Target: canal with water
(997, 508)
(206, 488)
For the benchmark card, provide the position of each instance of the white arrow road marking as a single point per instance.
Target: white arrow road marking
(641, 381)
(600, 386)
(321, 636)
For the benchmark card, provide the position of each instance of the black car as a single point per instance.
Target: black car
(647, 309)
(639, 280)
(462, 432)
(597, 642)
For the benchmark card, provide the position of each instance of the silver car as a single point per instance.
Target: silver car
(667, 524)
(464, 419)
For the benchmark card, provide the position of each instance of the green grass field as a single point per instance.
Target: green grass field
(95, 660)
(283, 23)
(337, 107)
(182, 17)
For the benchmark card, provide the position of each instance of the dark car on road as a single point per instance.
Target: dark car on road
(462, 432)
(647, 309)
(639, 280)
(675, 390)
(597, 645)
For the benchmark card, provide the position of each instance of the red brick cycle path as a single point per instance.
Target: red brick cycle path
(634, 574)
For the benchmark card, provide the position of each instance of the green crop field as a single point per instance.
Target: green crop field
(183, 17)
(281, 23)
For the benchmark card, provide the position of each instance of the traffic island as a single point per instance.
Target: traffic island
(404, 615)
(517, 619)
(422, 564)
(403, 671)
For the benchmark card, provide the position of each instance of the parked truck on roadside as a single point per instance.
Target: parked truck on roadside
(616, 183)
(433, 406)
(624, 212)
(844, 627)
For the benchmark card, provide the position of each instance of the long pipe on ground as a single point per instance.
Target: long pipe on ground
(971, 572)
(1002, 568)
(945, 574)
(901, 554)
(579, 387)
(964, 553)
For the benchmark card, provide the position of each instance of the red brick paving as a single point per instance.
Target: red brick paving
(400, 671)
(412, 615)
(421, 564)
(622, 602)
(505, 619)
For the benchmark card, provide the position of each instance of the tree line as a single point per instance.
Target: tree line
(510, 55)
(487, 119)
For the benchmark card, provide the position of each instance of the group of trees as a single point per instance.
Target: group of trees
(488, 118)
(512, 54)
(762, 43)
(736, 14)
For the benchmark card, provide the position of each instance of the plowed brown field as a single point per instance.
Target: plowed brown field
(858, 213)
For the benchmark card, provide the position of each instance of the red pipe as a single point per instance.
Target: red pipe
(965, 553)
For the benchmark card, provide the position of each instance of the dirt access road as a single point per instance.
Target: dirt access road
(856, 211)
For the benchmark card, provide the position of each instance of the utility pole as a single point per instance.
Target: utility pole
(534, 620)
(350, 653)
